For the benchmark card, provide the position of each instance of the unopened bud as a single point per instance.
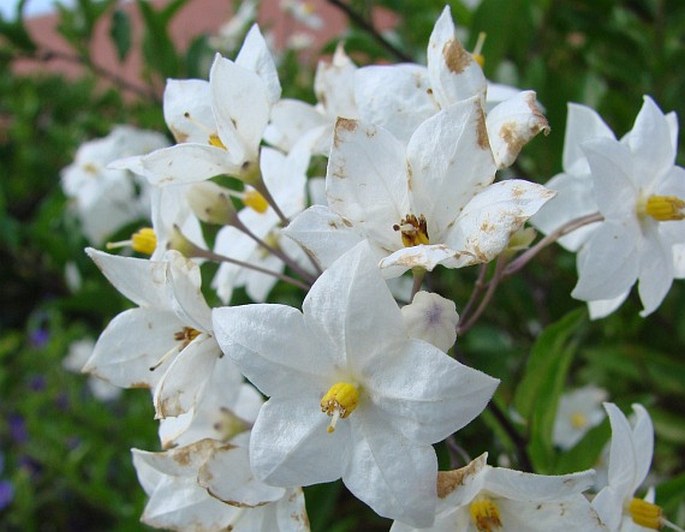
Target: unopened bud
(211, 203)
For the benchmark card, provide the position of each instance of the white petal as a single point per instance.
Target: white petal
(186, 287)
(142, 281)
(334, 85)
(607, 264)
(131, 344)
(366, 180)
(241, 108)
(187, 163)
(227, 476)
(255, 56)
(178, 390)
(613, 178)
(574, 198)
(290, 120)
(291, 446)
(273, 348)
(643, 440)
(484, 227)
(520, 486)
(601, 308)
(323, 233)
(422, 256)
(512, 124)
(582, 124)
(449, 160)
(561, 515)
(454, 74)
(623, 466)
(338, 312)
(656, 271)
(650, 143)
(394, 476)
(397, 98)
(425, 394)
(187, 111)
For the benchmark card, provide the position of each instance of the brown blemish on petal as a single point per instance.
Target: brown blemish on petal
(182, 456)
(456, 58)
(481, 129)
(540, 121)
(341, 124)
(513, 141)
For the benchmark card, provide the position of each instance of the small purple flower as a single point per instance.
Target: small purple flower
(37, 383)
(17, 426)
(39, 338)
(6, 493)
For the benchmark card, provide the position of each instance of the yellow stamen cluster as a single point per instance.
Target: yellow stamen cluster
(255, 201)
(485, 515)
(414, 230)
(645, 513)
(144, 241)
(339, 402)
(478, 57)
(663, 208)
(215, 141)
(578, 420)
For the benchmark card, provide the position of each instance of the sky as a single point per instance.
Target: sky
(33, 7)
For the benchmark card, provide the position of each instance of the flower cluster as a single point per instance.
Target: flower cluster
(358, 387)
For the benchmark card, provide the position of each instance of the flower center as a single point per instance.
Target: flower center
(578, 420)
(414, 230)
(186, 335)
(662, 208)
(485, 515)
(339, 402)
(645, 513)
(143, 241)
(255, 201)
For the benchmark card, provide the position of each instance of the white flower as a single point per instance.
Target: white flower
(427, 204)
(178, 501)
(630, 457)
(291, 120)
(401, 97)
(641, 195)
(351, 394)
(578, 411)
(286, 179)
(575, 195)
(219, 125)
(166, 343)
(481, 498)
(106, 199)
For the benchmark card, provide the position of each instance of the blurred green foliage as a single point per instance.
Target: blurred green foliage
(66, 454)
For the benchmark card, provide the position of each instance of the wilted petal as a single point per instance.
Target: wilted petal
(512, 124)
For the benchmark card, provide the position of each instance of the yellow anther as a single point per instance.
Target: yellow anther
(186, 335)
(256, 201)
(645, 513)
(478, 57)
(485, 515)
(144, 241)
(339, 402)
(215, 141)
(90, 168)
(578, 420)
(663, 208)
(414, 230)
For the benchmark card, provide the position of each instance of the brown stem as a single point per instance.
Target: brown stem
(519, 441)
(464, 323)
(371, 30)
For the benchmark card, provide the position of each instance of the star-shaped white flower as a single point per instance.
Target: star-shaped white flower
(400, 97)
(219, 125)
(630, 457)
(105, 199)
(429, 203)
(641, 194)
(166, 343)
(185, 495)
(482, 498)
(579, 410)
(351, 394)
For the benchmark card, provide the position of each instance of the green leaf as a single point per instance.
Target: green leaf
(120, 32)
(543, 382)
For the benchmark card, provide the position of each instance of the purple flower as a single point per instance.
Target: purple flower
(6, 493)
